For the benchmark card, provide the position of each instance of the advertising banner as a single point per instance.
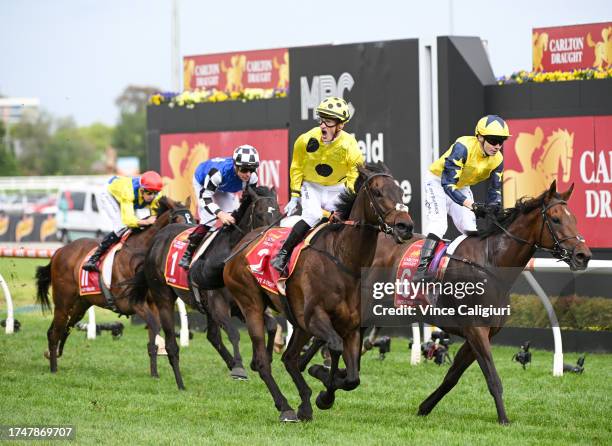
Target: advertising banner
(574, 150)
(233, 72)
(566, 48)
(380, 82)
(181, 153)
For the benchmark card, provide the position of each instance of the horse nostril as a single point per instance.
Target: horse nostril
(582, 257)
(403, 227)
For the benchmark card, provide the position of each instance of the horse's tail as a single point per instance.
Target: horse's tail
(43, 281)
(137, 287)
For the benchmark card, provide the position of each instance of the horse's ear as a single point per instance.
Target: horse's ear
(552, 190)
(568, 193)
(188, 202)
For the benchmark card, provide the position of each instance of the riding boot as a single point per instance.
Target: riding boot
(297, 234)
(195, 238)
(108, 241)
(427, 253)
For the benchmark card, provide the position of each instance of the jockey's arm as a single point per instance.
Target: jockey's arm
(453, 165)
(354, 159)
(128, 217)
(155, 204)
(495, 185)
(296, 172)
(211, 182)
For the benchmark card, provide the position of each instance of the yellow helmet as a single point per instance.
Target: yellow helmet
(492, 125)
(334, 108)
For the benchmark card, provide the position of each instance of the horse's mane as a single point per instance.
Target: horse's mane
(245, 200)
(163, 205)
(523, 206)
(347, 198)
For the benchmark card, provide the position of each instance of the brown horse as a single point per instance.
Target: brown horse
(62, 274)
(497, 254)
(323, 291)
(258, 207)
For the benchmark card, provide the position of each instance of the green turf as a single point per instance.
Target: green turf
(19, 275)
(103, 389)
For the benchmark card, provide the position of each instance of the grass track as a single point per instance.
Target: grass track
(103, 389)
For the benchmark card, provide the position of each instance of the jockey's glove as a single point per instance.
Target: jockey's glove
(481, 210)
(292, 206)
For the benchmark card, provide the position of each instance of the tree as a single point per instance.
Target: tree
(129, 137)
(8, 164)
(30, 141)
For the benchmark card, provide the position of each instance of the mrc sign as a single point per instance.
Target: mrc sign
(574, 150)
(380, 85)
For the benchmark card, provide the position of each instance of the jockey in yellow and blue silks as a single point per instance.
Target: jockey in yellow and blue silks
(324, 164)
(122, 197)
(469, 161)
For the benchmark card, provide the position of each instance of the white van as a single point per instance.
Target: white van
(78, 214)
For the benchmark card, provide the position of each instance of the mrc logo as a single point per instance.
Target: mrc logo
(323, 86)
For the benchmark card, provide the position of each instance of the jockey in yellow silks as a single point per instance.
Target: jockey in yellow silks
(324, 164)
(469, 161)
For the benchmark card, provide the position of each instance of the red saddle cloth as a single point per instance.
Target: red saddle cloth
(174, 274)
(261, 253)
(406, 269)
(89, 281)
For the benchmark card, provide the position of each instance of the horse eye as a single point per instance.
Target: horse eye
(556, 220)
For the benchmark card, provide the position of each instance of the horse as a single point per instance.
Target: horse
(322, 294)
(496, 254)
(258, 207)
(62, 274)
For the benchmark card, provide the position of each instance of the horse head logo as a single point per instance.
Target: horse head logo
(188, 70)
(540, 45)
(603, 49)
(283, 71)
(553, 161)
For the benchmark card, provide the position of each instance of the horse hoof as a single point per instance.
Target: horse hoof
(324, 401)
(304, 414)
(239, 374)
(288, 416)
(504, 422)
(319, 372)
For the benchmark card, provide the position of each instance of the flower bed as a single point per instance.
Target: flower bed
(189, 98)
(523, 76)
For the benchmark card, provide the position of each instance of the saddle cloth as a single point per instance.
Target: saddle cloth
(268, 245)
(415, 295)
(89, 281)
(176, 276)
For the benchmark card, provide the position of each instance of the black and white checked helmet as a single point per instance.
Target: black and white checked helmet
(246, 156)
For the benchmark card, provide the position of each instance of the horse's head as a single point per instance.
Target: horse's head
(170, 211)
(562, 237)
(379, 201)
(258, 207)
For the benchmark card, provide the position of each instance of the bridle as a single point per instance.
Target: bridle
(184, 213)
(558, 251)
(382, 226)
(250, 225)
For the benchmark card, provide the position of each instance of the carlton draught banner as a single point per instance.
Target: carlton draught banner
(570, 150)
(181, 153)
(566, 48)
(380, 82)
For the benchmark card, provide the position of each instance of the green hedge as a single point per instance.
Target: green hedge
(573, 312)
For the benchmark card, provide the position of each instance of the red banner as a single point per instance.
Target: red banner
(181, 153)
(566, 48)
(571, 150)
(237, 71)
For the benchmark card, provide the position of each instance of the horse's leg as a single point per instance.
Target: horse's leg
(321, 326)
(261, 361)
(463, 359)
(479, 341)
(55, 332)
(76, 314)
(270, 324)
(150, 315)
(220, 315)
(166, 316)
(291, 359)
(310, 352)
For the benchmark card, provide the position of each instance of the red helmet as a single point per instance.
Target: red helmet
(151, 180)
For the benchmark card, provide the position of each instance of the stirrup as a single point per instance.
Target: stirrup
(91, 266)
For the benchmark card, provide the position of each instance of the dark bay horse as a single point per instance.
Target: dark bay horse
(497, 254)
(323, 291)
(258, 207)
(62, 275)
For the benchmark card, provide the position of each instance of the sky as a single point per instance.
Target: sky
(77, 56)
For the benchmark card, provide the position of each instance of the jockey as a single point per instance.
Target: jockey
(215, 182)
(469, 161)
(124, 195)
(324, 164)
